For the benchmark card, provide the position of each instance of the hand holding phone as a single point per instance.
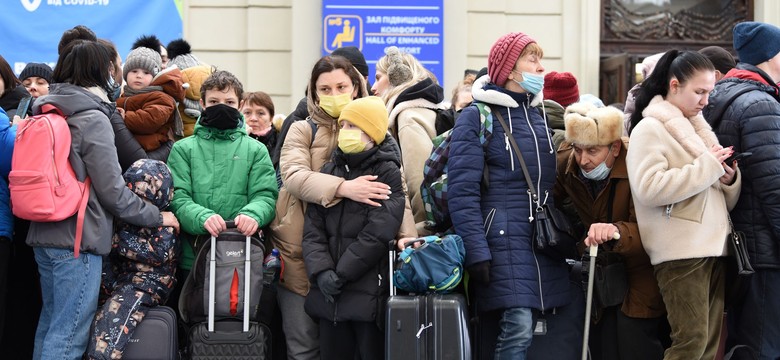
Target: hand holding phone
(24, 105)
(737, 157)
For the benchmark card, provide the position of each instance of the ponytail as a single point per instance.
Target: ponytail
(681, 65)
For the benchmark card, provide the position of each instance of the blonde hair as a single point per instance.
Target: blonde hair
(403, 71)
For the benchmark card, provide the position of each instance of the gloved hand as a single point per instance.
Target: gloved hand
(480, 272)
(330, 284)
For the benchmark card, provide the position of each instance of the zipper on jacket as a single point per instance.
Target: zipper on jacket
(338, 256)
(669, 211)
(539, 275)
(536, 145)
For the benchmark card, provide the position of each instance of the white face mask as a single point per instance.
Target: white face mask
(598, 173)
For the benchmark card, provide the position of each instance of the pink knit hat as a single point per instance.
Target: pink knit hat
(504, 55)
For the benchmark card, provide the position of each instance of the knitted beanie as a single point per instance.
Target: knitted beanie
(561, 88)
(587, 125)
(756, 42)
(151, 180)
(504, 54)
(369, 114)
(40, 70)
(180, 53)
(143, 58)
(354, 56)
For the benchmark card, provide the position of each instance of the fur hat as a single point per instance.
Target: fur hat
(504, 54)
(354, 56)
(369, 114)
(561, 88)
(151, 180)
(40, 70)
(180, 53)
(588, 125)
(756, 42)
(398, 72)
(142, 58)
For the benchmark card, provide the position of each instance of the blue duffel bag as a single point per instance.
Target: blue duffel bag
(434, 266)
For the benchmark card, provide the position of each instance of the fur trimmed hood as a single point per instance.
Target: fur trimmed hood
(676, 123)
(479, 93)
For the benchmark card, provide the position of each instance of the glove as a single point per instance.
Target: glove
(330, 284)
(480, 272)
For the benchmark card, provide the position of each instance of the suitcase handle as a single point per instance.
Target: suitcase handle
(391, 262)
(212, 282)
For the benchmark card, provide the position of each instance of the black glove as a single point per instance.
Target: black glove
(480, 272)
(330, 284)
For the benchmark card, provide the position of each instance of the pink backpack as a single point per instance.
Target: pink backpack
(43, 185)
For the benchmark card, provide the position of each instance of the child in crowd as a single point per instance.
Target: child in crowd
(345, 246)
(149, 98)
(36, 78)
(220, 172)
(141, 271)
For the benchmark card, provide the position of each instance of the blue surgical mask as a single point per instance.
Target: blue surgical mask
(532, 83)
(113, 90)
(598, 173)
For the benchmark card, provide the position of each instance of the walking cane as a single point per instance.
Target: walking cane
(594, 250)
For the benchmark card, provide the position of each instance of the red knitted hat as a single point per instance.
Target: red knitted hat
(504, 54)
(561, 88)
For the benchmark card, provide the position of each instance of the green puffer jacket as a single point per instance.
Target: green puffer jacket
(221, 172)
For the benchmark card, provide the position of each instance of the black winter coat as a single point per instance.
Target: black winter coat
(752, 123)
(352, 239)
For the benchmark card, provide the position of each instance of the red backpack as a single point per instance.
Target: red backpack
(43, 185)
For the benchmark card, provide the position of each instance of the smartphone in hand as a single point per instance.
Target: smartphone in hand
(24, 105)
(737, 157)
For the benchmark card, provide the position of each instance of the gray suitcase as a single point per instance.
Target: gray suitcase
(426, 327)
(229, 338)
(155, 338)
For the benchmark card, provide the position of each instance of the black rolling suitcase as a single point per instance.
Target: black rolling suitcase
(155, 338)
(231, 299)
(426, 327)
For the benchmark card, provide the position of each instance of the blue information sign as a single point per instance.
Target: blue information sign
(415, 27)
(31, 29)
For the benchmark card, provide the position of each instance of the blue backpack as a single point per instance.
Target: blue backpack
(433, 188)
(435, 266)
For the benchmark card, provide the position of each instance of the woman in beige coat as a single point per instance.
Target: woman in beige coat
(334, 83)
(682, 192)
(413, 97)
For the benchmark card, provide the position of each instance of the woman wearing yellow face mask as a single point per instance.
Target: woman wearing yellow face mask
(334, 83)
(345, 245)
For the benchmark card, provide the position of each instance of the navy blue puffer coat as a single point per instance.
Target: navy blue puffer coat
(752, 123)
(494, 223)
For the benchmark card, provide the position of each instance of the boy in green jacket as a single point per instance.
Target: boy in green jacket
(221, 173)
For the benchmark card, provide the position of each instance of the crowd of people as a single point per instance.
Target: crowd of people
(175, 148)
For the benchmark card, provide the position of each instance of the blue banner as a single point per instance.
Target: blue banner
(31, 29)
(415, 27)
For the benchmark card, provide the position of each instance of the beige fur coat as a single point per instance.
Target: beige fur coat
(680, 203)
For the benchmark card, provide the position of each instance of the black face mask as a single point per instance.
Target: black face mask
(220, 116)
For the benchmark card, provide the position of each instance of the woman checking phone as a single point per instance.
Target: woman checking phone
(683, 190)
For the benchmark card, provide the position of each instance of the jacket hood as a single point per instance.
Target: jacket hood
(738, 80)
(485, 91)
(171, 82)
(71, 99)
(384, 152)
(426, 89)
(554, 113)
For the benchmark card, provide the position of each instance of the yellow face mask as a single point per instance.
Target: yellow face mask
(350, 141)
(334, 104)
